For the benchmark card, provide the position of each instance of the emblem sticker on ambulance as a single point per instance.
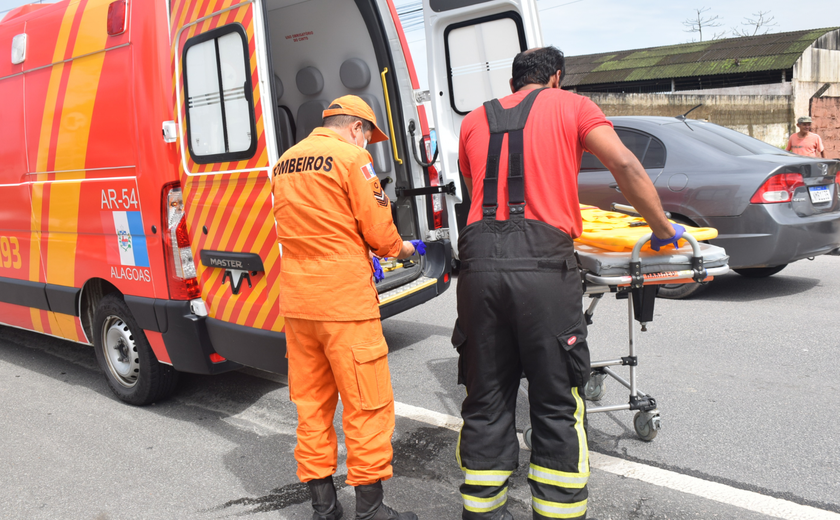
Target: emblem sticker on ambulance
(124, 239)
(237, 266)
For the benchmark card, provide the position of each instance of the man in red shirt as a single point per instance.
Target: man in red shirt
(519, 291)
(804, 142)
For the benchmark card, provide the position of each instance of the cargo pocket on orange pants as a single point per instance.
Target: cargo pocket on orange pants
(372, 374)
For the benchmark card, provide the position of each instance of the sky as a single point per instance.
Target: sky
(591, 26)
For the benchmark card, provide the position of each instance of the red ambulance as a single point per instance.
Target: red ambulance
(136, 144)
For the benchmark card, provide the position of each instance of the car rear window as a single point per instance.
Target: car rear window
(724, 139)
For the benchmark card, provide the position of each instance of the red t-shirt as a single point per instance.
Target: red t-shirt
(554, 142)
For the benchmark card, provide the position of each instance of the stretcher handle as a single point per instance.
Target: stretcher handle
(695, 246)
(637, 280)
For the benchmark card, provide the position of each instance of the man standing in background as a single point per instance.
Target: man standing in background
(804, 142)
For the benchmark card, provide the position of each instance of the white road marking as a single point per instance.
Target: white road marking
(748, 500)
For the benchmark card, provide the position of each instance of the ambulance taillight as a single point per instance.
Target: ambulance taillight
(117, 16)
(180, 266)
(434, 180)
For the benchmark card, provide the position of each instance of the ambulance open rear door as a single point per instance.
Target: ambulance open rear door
(470, 46)
(227, 145)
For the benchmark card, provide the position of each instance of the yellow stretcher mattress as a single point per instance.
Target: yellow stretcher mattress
(613, 231)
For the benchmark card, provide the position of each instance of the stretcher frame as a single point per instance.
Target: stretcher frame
(638, 289)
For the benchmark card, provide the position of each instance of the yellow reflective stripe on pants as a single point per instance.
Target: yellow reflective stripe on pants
(483, 505)
(583, 454)
(558, 509)
(486, 477)
(557, 478)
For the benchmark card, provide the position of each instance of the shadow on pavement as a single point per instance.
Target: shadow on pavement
(737, 288)
(401, 334)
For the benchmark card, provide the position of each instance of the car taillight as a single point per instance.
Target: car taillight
(180, 266)
(778, 188)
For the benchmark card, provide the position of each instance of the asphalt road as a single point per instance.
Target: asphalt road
(744, 375)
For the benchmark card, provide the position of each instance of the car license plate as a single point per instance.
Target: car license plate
(819, 194)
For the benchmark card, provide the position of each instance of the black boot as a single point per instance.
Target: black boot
(369, 505)
(324, 501)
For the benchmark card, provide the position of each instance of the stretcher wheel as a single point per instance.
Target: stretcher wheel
(527, 438)
(646, 425)
(596, 387)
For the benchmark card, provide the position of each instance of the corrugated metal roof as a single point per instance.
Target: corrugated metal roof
(765, 52)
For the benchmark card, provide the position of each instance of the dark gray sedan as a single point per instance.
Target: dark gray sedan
(769, 206)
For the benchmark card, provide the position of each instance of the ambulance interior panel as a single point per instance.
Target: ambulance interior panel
(319, 58)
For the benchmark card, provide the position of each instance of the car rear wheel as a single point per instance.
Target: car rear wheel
(760, 272)
(124, 354)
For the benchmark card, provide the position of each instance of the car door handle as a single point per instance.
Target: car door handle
(615, 187)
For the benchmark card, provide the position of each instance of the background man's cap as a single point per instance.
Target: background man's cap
(355, 106)
(803, 119)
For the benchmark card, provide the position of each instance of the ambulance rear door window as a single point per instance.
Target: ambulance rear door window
(217, 86)
(479, 55)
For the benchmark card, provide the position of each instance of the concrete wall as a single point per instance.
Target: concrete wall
(825, 112)
(770, 89)
(769, 118)
(819, 64)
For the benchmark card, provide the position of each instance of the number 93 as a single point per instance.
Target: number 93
(10, 252)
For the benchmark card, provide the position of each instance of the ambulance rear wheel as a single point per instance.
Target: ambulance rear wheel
(124, 354)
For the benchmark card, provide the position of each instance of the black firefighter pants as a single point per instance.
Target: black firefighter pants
(520, 309)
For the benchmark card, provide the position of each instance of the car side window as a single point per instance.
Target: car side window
(635, 141)
(648, 150)
(655, 156)
(590, 163)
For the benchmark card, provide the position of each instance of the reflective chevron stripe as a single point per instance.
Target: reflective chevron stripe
(483, 505)
(557, 478)
(558, 509)
(486, 477)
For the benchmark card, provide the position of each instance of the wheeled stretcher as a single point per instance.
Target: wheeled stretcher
(635, 276)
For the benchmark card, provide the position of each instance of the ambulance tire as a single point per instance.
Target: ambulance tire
(124, 354)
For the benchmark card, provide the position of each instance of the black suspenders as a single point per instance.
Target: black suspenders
(509, 121)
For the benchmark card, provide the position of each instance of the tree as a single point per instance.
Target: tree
(698, 22)
(753, 26)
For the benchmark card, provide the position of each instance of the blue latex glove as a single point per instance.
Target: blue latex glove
(378, 273)
(656, 242)
(419, 247)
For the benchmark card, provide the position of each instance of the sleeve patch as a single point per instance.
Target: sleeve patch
(368, 171)
(379, 194)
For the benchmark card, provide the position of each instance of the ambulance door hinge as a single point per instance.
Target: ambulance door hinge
(644, 403)
(421, 96)
(447, 189)
(170, 131)
(636, 280)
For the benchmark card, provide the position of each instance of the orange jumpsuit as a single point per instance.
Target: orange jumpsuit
(331, 211)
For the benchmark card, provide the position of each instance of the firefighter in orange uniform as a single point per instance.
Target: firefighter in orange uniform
(331, 214)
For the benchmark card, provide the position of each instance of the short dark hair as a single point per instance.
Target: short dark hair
(342, 120)
(537, 66)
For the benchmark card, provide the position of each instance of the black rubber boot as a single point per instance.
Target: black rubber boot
(324, 501)
(369, 505)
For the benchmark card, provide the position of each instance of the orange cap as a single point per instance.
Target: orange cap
(355, 106)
